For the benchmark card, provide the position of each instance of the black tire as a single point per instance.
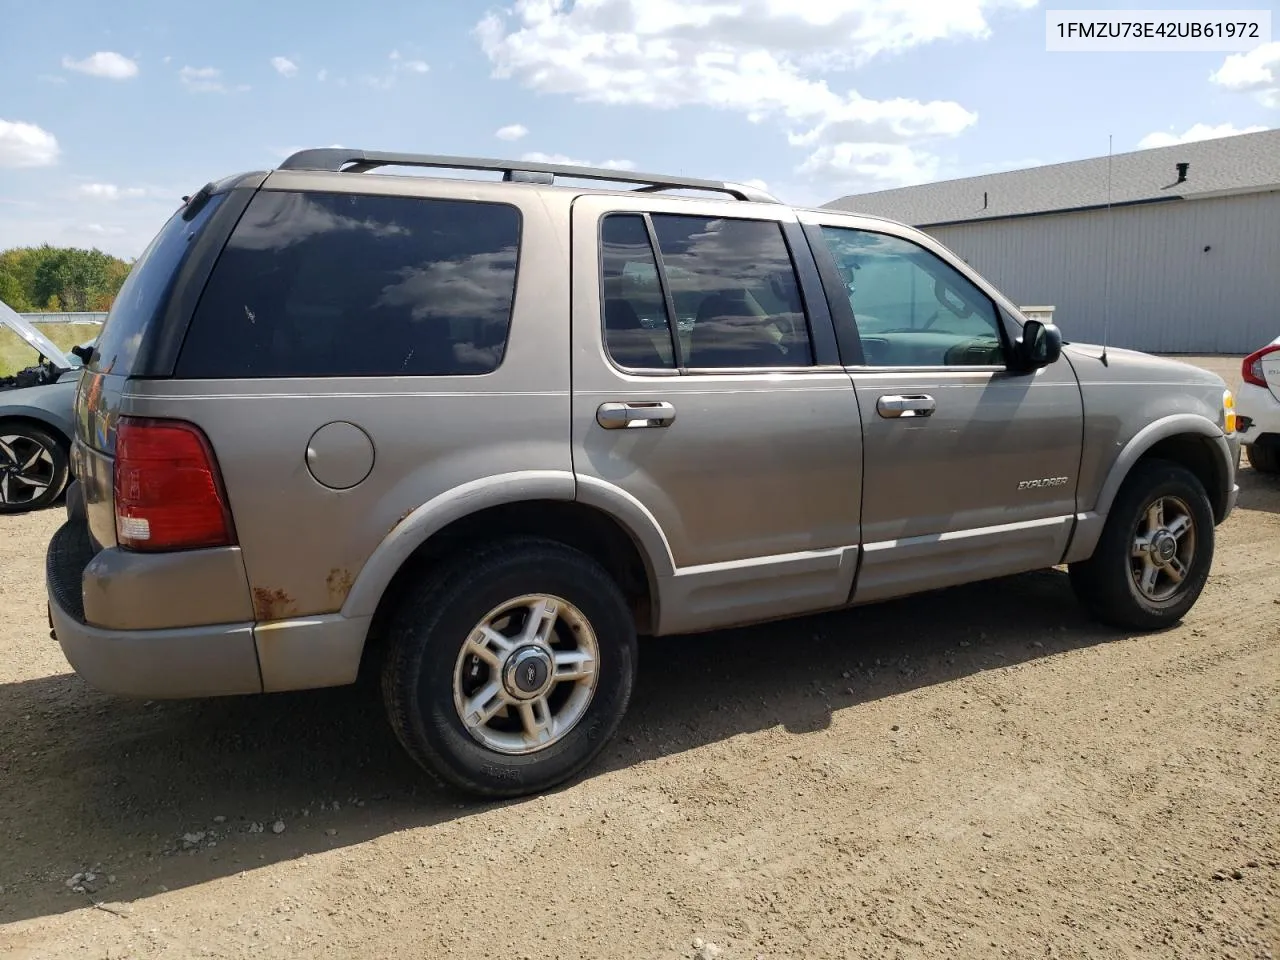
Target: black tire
(53, 468)
(1105, 585)
(1264, 458)
(426, 635)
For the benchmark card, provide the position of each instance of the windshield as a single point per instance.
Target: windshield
(37, 340)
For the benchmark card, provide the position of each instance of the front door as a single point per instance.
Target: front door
(709, 405)
(971, 469)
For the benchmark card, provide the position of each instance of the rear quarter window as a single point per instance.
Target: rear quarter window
(146, 290)
(337, 284)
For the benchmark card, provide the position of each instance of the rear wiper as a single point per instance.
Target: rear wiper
(195, 203)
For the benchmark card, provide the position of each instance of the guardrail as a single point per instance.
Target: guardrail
(64, 317)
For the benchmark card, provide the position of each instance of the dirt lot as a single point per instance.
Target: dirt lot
(980, 773)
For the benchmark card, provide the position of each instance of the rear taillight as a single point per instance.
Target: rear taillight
(1251, 369)
(168, 491)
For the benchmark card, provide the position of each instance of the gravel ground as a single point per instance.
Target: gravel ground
(980, 773)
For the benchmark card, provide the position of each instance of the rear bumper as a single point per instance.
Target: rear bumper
(1261, 410)
(201, 661)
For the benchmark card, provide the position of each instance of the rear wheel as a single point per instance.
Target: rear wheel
(1265, 458)
(33, 467)
(1153, 558)
(510, 670)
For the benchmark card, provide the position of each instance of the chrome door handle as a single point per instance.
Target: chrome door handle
(622, 416)
(914, 405)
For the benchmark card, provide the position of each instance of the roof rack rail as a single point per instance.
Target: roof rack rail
(335, 160)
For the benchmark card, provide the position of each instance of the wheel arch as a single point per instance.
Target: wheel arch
(32, 416)
(1188, 440)
(601, 524)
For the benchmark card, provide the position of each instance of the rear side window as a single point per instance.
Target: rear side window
(636, 330)
(736, 296)
(328, 285)
(145, 291)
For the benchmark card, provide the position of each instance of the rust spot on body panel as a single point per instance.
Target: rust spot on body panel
(273, 604)
(338, 583)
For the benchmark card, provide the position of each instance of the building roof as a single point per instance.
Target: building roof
(1246, 163)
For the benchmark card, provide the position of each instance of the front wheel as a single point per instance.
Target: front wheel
(511, 669)
(33, 467)
(1154, 555)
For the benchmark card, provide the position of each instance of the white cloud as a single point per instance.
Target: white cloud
(104, 63)
(102, 231)
(512, 131)
(385, 81)
(886, 121)
(1256, 72)
(872, 166)
(1200, 131)
(51, 78)
(166, 59)
(26, 145)
(207, 80)
(764, 59)
(322, 75)
(201, 79)
(284, 66)
(109, 191)
(537, 156)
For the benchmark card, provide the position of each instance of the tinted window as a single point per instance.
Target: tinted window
(912, 307)
(637, 333)
(145, 290)
(736, 296)
(322, 285)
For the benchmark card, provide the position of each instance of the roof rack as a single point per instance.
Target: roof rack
(335, 160)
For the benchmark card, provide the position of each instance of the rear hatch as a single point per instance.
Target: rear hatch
(144, 331)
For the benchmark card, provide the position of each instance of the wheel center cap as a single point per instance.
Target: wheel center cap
(1164, 547)
(527, 672)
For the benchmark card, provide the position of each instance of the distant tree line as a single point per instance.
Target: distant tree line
(60, 278)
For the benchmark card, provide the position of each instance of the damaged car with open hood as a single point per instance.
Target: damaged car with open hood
(36, 409)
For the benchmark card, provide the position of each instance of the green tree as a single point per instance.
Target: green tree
(11, 292)
(16, 279)
(60, 278)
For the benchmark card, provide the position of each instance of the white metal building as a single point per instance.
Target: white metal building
(1186, 259)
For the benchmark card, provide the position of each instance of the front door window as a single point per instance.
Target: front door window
(912, 308)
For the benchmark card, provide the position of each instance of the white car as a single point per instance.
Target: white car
(1258, 407)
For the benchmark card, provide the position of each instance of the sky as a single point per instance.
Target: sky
(110, 113)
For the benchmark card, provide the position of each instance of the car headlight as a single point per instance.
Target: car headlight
(1228, 412)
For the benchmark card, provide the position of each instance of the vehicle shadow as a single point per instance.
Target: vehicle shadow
(1258, 491)
(108, 786)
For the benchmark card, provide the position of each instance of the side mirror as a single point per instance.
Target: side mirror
(1039, 345)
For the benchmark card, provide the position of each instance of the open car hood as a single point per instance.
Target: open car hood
(37, 340)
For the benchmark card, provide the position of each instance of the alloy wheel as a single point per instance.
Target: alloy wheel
(1164, 546)
(526, 674)
(27, 469)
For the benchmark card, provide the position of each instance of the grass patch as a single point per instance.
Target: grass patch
(16, 354)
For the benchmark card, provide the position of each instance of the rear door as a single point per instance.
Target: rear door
(708, 397)
(971, 469)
